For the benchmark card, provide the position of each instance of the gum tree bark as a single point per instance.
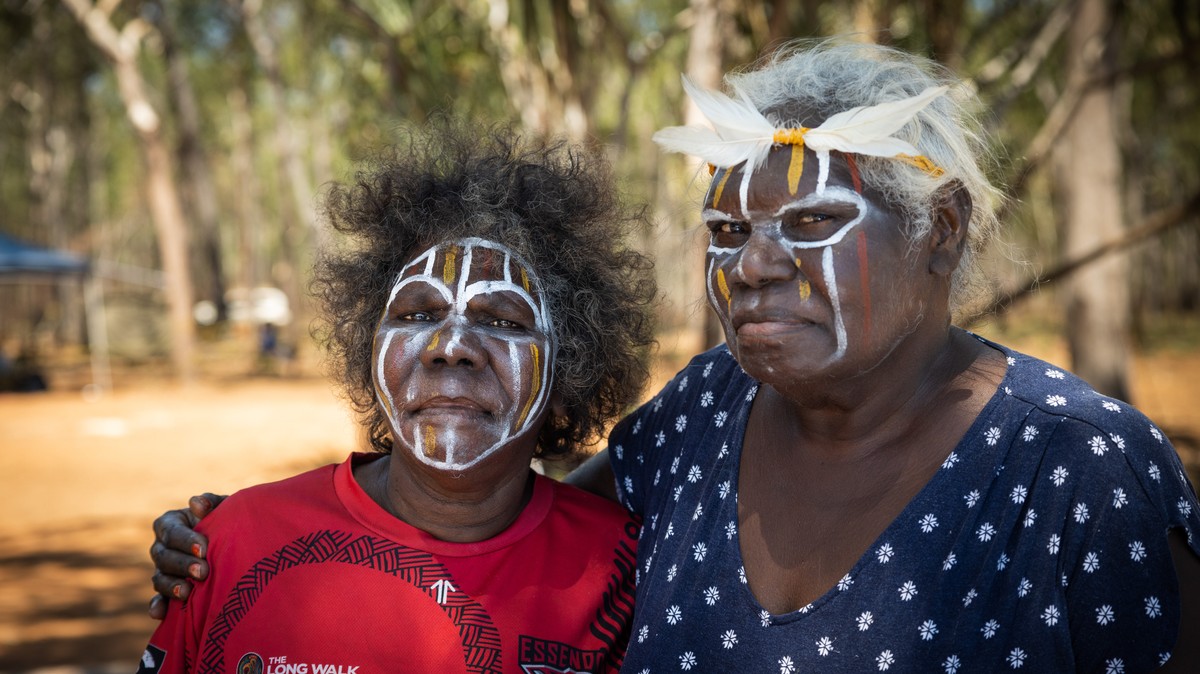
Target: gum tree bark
(1096, 299)
(199, 187)
(121, 48)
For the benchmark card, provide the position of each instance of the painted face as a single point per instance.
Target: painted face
(463, 354)
(804, 268)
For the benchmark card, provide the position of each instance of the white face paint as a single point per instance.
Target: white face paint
(824, 199)
(463, 354)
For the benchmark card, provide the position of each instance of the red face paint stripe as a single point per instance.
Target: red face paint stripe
(853, 172)
(488, 262)
(864, 280)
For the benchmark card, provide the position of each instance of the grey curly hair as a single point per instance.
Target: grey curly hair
(823, 78)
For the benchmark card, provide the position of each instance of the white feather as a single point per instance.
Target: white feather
(734, 120)
(741, 133)
(868, 129)
(702, 142)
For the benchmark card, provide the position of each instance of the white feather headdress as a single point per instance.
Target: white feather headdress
(741, 133)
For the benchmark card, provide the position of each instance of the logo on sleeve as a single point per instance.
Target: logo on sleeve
(152, 660)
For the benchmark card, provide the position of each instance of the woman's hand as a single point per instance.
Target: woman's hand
(178, 552)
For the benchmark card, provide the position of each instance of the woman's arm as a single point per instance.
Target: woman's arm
(595, 475)
(1186, 655)
(178, 552)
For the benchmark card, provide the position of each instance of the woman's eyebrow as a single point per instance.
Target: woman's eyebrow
(713, 214)
(808, 204)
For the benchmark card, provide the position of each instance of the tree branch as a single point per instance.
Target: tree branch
(1021, 74)
(1059, 117)
(99, 28)
(1155, 224)
(107, 7)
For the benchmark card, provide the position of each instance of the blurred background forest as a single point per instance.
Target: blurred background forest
(167, 158)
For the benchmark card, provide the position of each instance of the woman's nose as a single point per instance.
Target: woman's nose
(762, 260)
(455, 344)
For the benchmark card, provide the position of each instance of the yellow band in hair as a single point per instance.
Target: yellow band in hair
(922, 162)
(790, 136)
(795, 136)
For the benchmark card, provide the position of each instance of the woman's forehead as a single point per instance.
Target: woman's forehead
(790, 173)
(466, 261)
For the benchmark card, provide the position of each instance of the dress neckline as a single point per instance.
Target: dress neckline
(749, 393)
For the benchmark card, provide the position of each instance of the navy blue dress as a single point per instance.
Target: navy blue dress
(1040, 545)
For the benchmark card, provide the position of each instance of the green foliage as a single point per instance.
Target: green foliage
(352, 71)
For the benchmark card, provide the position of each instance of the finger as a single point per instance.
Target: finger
(177, 534)
(201, 506)
(158, 607)
(177, 565)
(171, 518)
(171, 587)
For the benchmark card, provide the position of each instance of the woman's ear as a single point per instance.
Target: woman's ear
(951, 219)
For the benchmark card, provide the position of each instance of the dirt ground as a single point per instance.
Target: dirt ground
(80, 481)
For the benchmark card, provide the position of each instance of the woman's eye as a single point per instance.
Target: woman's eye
(809, 226)
(802, 219)
(417, 317)
(504, 324)
(729, 233)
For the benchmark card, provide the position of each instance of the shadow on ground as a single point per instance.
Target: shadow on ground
(70, 601)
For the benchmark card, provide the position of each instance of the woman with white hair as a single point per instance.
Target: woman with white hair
(851, 483)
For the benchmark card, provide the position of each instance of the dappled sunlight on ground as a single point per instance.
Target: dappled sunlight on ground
(81, 481)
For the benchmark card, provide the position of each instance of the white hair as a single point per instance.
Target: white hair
(822, 78)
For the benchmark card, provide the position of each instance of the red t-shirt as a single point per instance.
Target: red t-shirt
(311, 576)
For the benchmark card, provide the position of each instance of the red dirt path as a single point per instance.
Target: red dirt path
(80, 482)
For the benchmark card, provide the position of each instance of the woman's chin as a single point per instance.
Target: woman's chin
(784, 361)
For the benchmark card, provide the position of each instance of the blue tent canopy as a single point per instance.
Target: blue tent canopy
(17, 257)
(19, 261)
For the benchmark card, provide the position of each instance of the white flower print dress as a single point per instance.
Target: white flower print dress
(1039, 546)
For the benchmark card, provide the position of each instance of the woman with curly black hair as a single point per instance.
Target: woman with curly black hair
(482, 312)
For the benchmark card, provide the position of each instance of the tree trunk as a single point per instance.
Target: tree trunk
(685, 282)
(527, 84)
(294, 241)
(198, 186)
(251, 257)
(51, 153)
(943, 25)
(122, 48)
(1096, 299)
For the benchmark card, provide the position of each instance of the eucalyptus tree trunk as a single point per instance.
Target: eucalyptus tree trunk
(679, 248)
(530, 86)
(251, 257)
(199, 190)
(299, 186)
(121, 48)
(1096, 299)
(51, 151)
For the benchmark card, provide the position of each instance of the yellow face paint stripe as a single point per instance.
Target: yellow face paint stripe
(724, 288)
(720, 187)
(430, 441)
(537, 385)
(434, 342)
(525, 280)
(795, 168)
(448, 266)
(805, 288)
